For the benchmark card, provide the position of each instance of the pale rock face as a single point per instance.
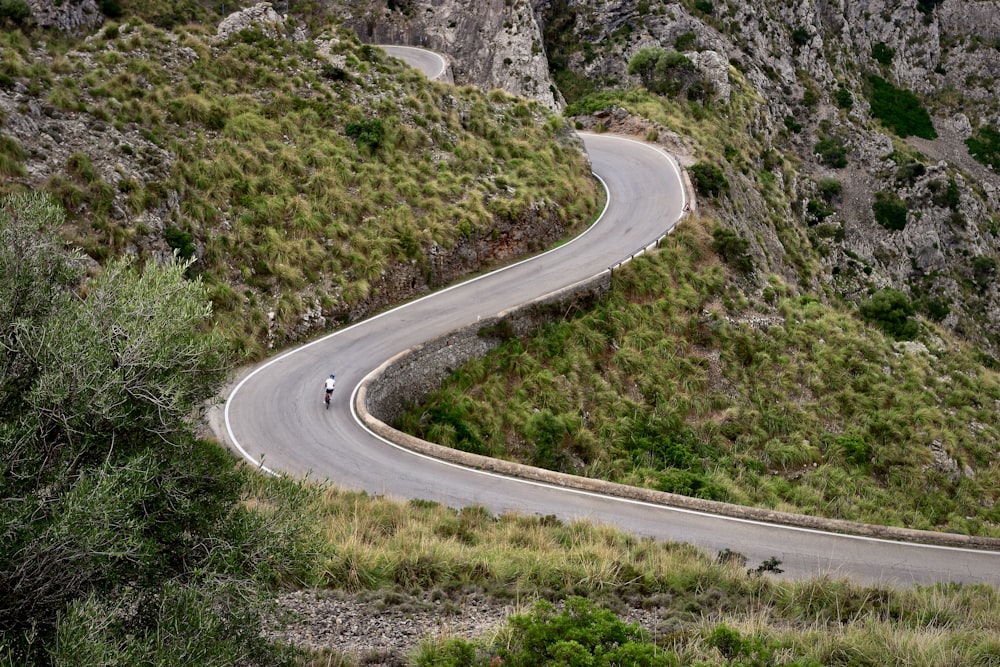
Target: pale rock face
(715, 69)
(496, 45)
(261, 15)
(68, 16)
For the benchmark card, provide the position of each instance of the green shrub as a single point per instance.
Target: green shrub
(580, 634)
(12, 155)
(111, 8)
(831, 152)
(180, 241)
(369, 133)
(736, 649)
(830, 188)
(937, 309)
(818, 211)
(842, 96)
(708, 179)
(890, 211)
(733, 249)
(800, 36)
(793, 125)
(947, 197)
(15, 11)
(685, 41)
(984, 270)
(984, 146)
(332, 72)
(891, 311)
(664, 72)
(899, 110)
(927, 6)
(882, 53)
(909, 172)
(853, 448)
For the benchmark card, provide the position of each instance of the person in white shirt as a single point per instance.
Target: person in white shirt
(330, 383)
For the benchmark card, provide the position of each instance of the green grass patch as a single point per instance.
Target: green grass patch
(984, 146)
(317, 184)
(668, 384)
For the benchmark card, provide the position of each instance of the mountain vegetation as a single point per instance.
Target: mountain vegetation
(309, 181)
(677, 382)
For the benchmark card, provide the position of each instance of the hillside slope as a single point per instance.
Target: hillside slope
(312, 179)
(813, 168)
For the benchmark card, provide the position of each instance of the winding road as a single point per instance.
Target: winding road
(274, 416)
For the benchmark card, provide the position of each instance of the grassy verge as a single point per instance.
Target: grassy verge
(678, 382)
(365, 544)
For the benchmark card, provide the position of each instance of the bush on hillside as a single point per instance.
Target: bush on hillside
(830, 188)
(890, 211)
(984, 271)
(369, 133)
(831, 152)
(891, 311)
(117, 522)
(733, 249)
(708, 179)
(899, 110)
(14, 11)
(579, 634)
(664, 72)
(882, 53)
(984, 146)
(842, 96)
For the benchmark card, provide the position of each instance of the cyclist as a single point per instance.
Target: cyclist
(328, 386)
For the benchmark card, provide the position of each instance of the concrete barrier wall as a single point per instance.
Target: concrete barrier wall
(412, 375)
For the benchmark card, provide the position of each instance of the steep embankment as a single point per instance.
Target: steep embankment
(832, 148)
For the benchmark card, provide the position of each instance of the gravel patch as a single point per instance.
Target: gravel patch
(383, 628)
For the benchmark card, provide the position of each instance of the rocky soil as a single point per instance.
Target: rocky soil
(383, 629)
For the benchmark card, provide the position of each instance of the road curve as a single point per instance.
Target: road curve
(432, 64)
(275, 418)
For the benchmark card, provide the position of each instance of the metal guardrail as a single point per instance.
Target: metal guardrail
(644, 249)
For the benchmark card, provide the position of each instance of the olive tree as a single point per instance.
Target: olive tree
(111, 510)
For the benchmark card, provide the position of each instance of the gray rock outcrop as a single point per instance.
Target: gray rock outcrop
(499, 45)
(74, 17)
(261, 15)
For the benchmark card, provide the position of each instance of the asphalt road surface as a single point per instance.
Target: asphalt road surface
(432, 64)
(275, 416)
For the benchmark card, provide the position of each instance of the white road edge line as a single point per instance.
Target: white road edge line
(641, 503)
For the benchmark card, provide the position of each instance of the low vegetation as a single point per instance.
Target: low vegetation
(679, 384)
(580, 587)
(899, 110)
(123, 539)
(301, 177)
(984, 145)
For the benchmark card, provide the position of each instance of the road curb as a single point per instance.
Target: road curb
(565, 480)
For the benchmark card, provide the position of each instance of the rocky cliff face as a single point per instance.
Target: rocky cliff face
(795, 57)
(498, 45)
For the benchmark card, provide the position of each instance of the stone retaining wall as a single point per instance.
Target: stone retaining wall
(412, 375)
